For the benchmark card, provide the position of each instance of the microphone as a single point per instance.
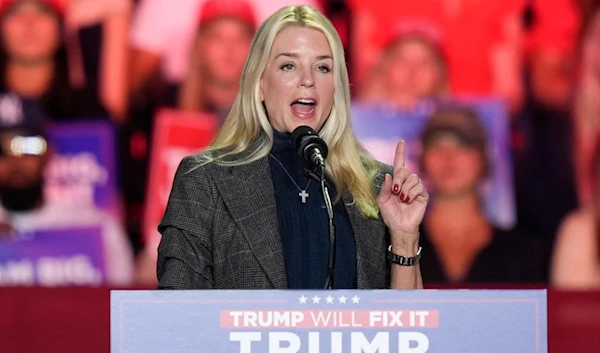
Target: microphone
(310, 147)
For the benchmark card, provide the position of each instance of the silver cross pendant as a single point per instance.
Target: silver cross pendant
(303, 195)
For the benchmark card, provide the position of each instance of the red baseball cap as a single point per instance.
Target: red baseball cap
(426, 31)
(56, 5)
(418, 28)
(240, 9)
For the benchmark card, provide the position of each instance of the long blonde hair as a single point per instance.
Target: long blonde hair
(247, 135)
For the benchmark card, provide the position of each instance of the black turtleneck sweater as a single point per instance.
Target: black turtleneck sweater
(304, 226)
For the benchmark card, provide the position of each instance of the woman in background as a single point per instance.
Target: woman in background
(412, 68)
(466, 247)
(33, 60)
(222, 44)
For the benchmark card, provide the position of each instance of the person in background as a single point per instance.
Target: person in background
(411, 68)
(466, 247)
(576, 257)
(544, 138)
(551, 48)
(222, 44)
(482, 41)
(33, 60)
(587, 112)
(23, 206)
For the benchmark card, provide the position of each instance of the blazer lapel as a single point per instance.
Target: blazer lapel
(369, 235)
(250, 197)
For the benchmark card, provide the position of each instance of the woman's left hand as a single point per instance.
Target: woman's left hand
(402, 202)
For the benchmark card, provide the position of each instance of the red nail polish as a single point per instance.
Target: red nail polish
(407, 199)
(396, 187)
(402, 196)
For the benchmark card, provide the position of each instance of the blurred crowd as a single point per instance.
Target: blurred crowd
(121, 61)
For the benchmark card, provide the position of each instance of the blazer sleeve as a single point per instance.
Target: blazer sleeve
(385, 169)
(184, 253)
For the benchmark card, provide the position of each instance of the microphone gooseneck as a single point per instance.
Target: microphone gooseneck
(332, 235)
(313, 151)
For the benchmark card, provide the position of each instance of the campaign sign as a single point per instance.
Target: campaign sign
(319, 321)
(177, 134)
(58, 257)
(82, 170)
(379, 128)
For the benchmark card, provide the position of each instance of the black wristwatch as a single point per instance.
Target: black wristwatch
(403, 260)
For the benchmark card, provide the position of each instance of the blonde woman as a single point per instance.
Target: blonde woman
(239, 215)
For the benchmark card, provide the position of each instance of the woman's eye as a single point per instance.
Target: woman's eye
(287, 67)
(324, 68)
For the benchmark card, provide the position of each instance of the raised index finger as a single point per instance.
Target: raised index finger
(400, 155)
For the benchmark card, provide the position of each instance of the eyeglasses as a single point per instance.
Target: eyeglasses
(24, 146)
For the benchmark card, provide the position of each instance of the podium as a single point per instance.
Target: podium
(322, 321)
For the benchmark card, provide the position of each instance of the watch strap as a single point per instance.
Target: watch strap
(404, 260)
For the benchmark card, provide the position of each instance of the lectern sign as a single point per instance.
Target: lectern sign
(382, 321)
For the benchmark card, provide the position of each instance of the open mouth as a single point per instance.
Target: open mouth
(304, 106)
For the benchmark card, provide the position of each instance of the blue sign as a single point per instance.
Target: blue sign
(319, 321)
(58, 257)
(380, 128)
(82, 171)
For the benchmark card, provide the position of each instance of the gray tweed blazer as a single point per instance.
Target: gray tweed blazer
(220, 230)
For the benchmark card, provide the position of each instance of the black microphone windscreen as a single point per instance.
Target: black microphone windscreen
(305, 141)
(299, 133)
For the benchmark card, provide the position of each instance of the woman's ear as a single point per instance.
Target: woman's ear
(262, 96)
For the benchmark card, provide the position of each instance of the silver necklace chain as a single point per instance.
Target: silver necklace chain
(303, 194)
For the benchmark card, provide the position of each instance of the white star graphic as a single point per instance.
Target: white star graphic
(316, 299)
(355, 299)
(329, 299)
(342, 299)
(302, 299)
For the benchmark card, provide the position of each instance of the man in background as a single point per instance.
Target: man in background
(24, 156)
